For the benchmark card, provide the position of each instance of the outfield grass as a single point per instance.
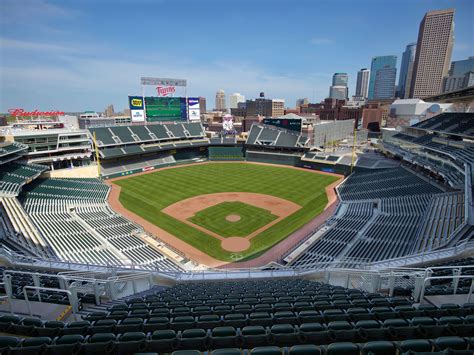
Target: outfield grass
(214, 219)
(146, 195)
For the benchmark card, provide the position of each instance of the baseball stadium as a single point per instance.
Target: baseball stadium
(163, 237)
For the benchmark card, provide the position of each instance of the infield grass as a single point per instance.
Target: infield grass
(146, 195)
(214, 219)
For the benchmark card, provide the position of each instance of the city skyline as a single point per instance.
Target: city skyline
(48, 63)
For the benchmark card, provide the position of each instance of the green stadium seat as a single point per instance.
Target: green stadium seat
(451, 343)
(416, 345)
(208, 321)
(130, 325)
(307, 349)
(31, 346)
(285, 317)
(266, 350)
(7, 320)
(186, 352)
(66, 344)
(237, 320)
(49, 329)
(284, 334)
(156, 323)
(103, 326)
(254, 335)
(99, 343)
(260, 318)
(194, 339)
(26, 326)
(182, 323)
(230, 351)
(380, 347)
(335, 315)
(164, 340)
(222, 337)
(79, 327)
(310, 317)
(131, 342)
(343, 348)
(7, 342)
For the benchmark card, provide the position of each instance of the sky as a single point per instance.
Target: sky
(83, 55)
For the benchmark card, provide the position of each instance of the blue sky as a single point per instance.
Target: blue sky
(83, 55)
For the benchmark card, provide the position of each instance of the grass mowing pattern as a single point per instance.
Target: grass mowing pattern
(146, 195)
(251, 219)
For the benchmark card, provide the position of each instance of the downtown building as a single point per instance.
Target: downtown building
(433, 53)
(383, 73)
(461, 75)
(362, 86)
(220, 101)
(235, 99)
(406, 71)
(339, 90)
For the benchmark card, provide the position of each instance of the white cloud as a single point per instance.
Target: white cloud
(93, 83)
(321, 41)
(16, 45)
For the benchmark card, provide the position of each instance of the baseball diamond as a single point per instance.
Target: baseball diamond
(272, 201)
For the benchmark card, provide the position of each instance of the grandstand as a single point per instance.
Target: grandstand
(442, 145)
(94, 282)
(265, 135)
(133, 148)
(89, 231)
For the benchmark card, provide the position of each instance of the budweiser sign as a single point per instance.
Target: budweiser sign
(165, 90)
(19, 112)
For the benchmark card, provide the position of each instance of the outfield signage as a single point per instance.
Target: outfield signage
(162, 81)
(19, 112)
(292, 124)
(165, 90)
(194, 110)
(137, 110)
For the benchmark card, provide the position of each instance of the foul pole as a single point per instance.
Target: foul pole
(97, 155)
(353, 150)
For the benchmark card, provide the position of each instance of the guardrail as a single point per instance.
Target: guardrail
(423, 257)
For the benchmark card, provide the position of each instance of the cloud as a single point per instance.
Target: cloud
(81, 83)
(28, 11)
(17, 45)
(321, 41)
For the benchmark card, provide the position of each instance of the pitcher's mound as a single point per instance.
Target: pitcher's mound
(235, 244)
(232, 218)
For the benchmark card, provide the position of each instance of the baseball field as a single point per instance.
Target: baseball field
(230, 211)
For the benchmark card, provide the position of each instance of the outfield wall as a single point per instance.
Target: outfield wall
(273, 158)
(226, 153)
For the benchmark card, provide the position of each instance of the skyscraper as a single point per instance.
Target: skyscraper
(461, 75)
(220, 100)
(234, 100)
(384, 87)
(433, 53)
(362, 86)
(339, 90)
(406, 71)
(386, 84)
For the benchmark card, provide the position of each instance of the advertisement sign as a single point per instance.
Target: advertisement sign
(165, 90)
(165, 108)
(292, 124)
(194, 109)
(19, 112)
(136, 108)
(162, 81)
(137, 115)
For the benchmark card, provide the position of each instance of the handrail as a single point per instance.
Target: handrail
(69, 293)
(454, 277)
